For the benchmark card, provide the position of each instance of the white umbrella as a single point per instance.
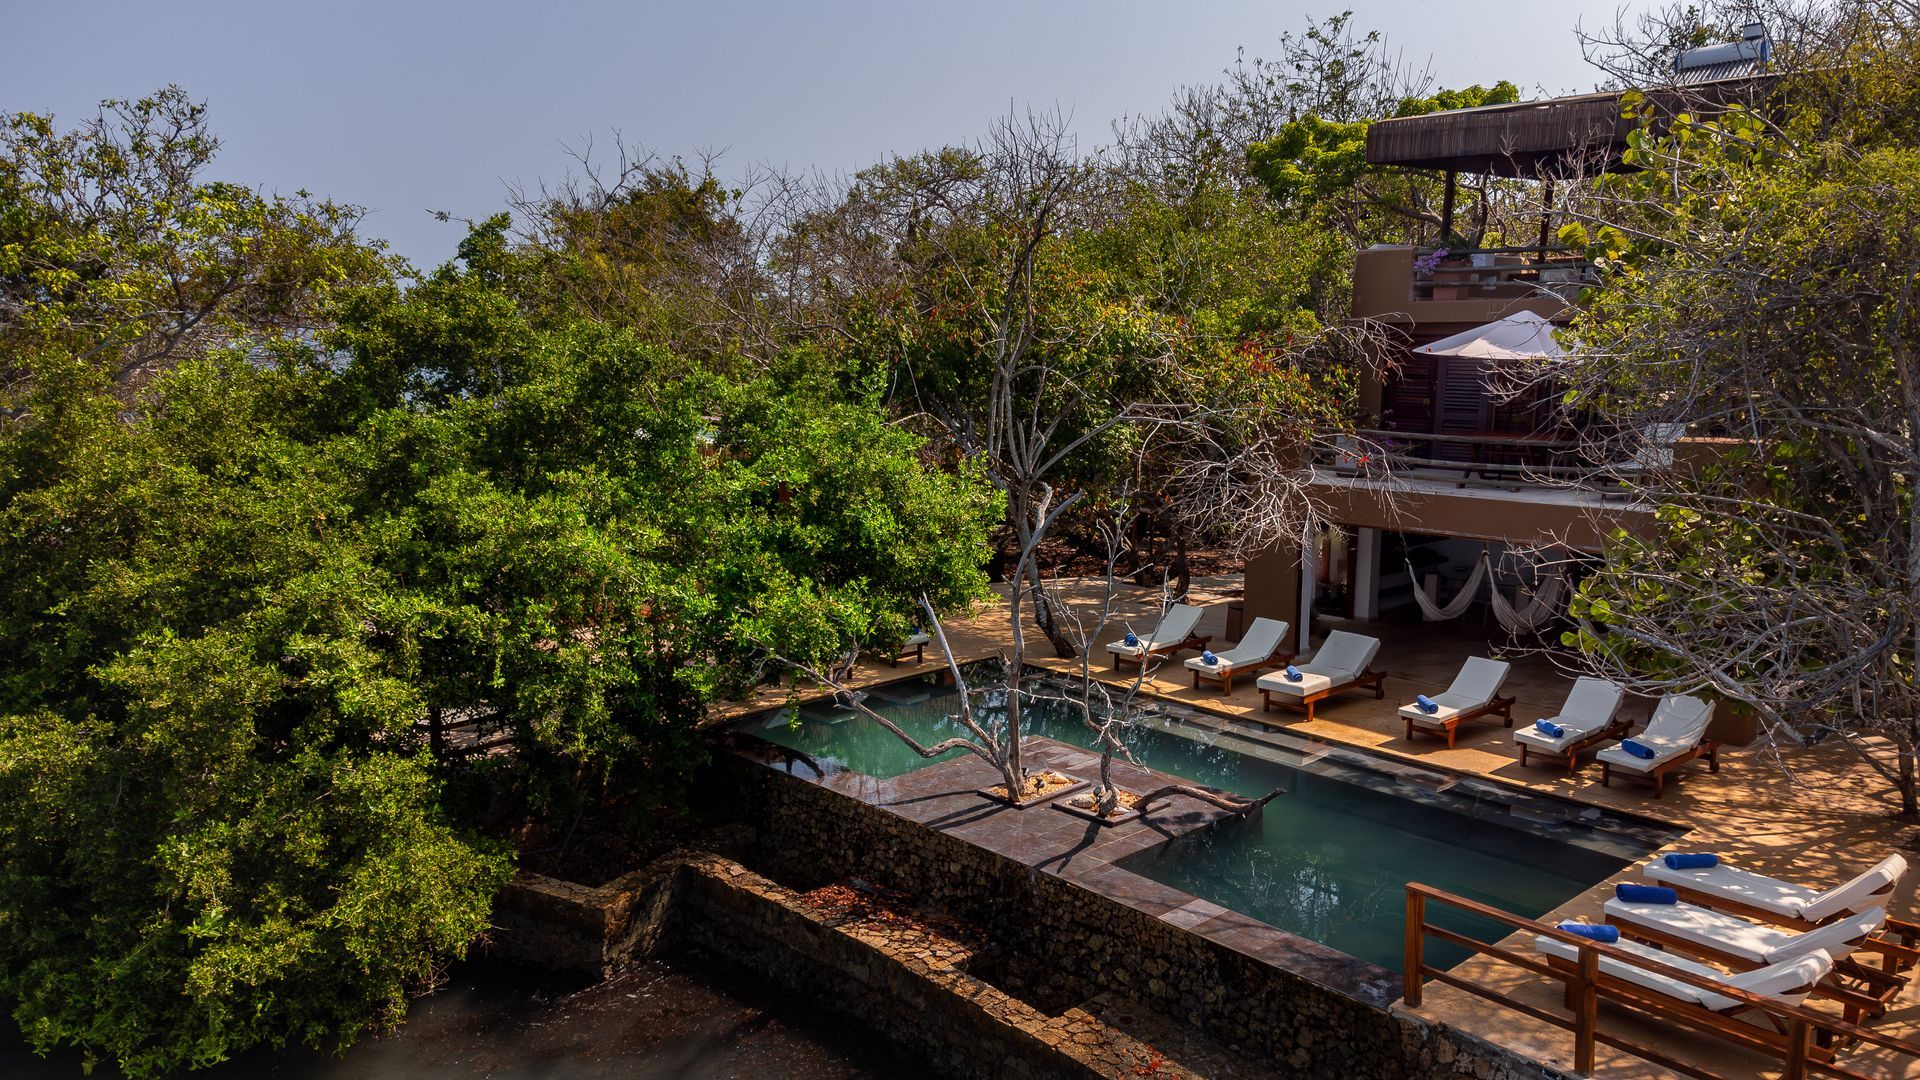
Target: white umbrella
(1520, 336)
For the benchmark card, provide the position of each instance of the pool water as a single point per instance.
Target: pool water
(1330, 859)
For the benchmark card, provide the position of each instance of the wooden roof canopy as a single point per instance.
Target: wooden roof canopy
(1556, 138)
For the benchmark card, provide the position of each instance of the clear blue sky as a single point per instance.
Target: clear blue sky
(406, 107)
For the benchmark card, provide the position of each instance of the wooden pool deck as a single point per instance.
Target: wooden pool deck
(1808, 814)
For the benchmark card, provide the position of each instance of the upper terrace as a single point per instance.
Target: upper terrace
(1435, 417)
(1550, 142)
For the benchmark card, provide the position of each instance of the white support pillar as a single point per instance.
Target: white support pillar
(1309, 573)
(1366, 574)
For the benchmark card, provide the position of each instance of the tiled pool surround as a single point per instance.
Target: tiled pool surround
(1048, 891)
(1327, 862)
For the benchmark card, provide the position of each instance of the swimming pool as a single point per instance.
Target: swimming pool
(1329, 860)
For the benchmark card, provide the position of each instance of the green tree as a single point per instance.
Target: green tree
(1765, 302)
(224, 828)
(247, 590)
(118, 256)
(1316, 168)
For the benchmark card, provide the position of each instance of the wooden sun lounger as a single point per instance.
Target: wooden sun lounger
(1192, 641)
(1861, 991)
(1898, 941)
(1451, 725)
(1723, 1023)
(1224, 679)
(1614, 731)
(1707, 748)
(1376, 679)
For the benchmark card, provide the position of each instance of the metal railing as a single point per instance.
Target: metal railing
(1804, 1041)
(1505, 460)
(1563, 277)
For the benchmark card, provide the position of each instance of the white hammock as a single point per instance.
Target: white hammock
(1462, 600)
(1542, 608)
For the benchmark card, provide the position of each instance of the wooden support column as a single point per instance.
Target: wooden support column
(1446, 207)
(1411, 977)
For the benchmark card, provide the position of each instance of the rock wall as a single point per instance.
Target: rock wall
(592, 931)
(1063, 942)
(1062, 982)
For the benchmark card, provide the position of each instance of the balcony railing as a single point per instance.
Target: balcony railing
(1498, 273)
(1497, 459)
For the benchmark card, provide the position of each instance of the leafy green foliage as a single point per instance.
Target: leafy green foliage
(1764, 301)
(118, 256)
(243, 587)
(224, 829)
(1317, 166)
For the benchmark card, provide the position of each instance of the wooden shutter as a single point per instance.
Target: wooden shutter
(1406, 402)
(1463, 408)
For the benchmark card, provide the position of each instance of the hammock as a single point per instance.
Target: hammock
(1539, 610)
(1462, 600)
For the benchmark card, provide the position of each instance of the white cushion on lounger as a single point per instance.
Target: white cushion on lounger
(1341, 659)
(1310, 682)
(1757, 942)
(1783, 897)
(1774, 981)
(1477, 684)
(1257, 646)
(1344, 651)
(1590, 706)
(1436, 718)
(1676, 727)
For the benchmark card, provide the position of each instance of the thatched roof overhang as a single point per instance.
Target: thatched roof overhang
(1556, 138)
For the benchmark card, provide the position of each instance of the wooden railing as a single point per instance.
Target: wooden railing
(1804, 1041)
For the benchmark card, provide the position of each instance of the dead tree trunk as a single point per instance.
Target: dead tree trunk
(1231, 803)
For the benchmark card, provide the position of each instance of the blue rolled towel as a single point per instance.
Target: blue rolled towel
(1548, 728)
(1639, 749)
(1207, 657)
(1646, 894)
(1293, 673)
(1427, 704)
(1690, 860)
(1131, 639)
(1600, 932)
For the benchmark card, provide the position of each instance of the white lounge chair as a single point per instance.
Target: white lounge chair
(1729, 938)
(1341, 664)
(1788, 982)
(1174, 633)
(1744, 945)
(1588, 718)
(1675, 734)
(1259, 647)
(1783, 903)
(1743, 892)
(1475, 693)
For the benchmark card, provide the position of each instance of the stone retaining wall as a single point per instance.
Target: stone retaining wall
(1082, 945)
(591, 931)
(1068, 983)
